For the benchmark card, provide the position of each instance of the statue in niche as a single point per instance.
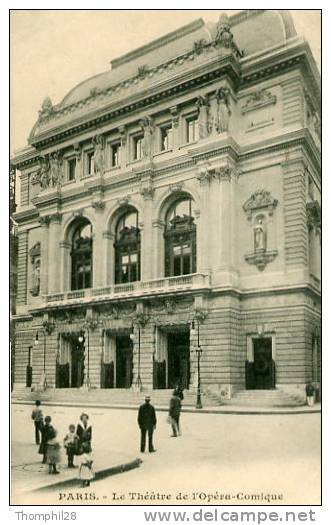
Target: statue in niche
(42, 176)
(259, 236)
(223, 113)
(55, 175)
(202, 104)
(147, 145)
(99, 159)
(35, 276)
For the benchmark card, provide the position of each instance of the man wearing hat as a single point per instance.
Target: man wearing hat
(147, 423)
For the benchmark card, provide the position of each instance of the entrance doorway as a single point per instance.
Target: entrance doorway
(260, 372)
(179, 359)
(124, 356)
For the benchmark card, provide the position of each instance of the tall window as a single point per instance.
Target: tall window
(192, 128)
(180, 239)
(137, 147)
(115, 151)
(166, 137)
(90, 163)
(71, 169)
(127, 248)
(81, 256)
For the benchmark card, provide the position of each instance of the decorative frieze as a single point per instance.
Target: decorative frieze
(98, 205)
(258, 201)
(147, 189)
(257, 100)
(226, 172)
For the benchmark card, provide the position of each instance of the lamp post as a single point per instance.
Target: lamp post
(140, 320)
(48, 328)
(138, 383)
(198, 351)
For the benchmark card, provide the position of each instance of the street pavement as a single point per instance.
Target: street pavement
(220, 459)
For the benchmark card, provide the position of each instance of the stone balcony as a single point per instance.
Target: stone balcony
(139, 289)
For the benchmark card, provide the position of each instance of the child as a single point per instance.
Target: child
(85, 470)
(37, 418)
(53, 452)
(70, 444)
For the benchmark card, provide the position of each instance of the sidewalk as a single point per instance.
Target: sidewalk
(217, 409)
(29, 474)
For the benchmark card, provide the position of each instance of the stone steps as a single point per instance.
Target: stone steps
(104, 396)
(276, 398)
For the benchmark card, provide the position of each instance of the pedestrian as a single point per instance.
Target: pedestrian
(147, 424)
(38, 419)
(53, 452)
(310, 393)
(179, 392)
(84, 432)
(174, 413)
(47, 432)
(70, 443)
(86, 473)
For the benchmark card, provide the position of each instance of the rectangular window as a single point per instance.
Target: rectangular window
(137, 147)
(90, 163)
(166, 137)
(115, 152)
(71, 169)
(192, 128)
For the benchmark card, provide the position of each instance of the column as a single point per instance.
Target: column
(108, 263)
(124, 151)
(157, 255)
(53, 251)
(65, 266)
(205, 222)
(175, 128)
(44, 222)
(147, 191)
(99, 248)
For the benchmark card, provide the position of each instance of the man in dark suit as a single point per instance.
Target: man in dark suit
(147, 423)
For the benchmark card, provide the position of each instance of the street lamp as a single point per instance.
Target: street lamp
(138, 384)
(81, 340)
(198, 351)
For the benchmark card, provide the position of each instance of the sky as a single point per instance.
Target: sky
(52, 51)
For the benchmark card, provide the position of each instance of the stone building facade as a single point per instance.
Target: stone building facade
(182, 185)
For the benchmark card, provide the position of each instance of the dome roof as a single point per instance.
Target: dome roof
(253, 31)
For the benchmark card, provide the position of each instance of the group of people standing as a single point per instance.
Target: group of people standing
(77, 442)
(147, 419)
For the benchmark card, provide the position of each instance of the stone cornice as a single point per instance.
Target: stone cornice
(207, 151)
(204, 74)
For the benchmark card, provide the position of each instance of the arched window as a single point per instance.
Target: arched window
(81, 256)
(180, 239)
(127, 248)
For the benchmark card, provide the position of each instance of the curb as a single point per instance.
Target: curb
(100, 474)
(192, 410)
